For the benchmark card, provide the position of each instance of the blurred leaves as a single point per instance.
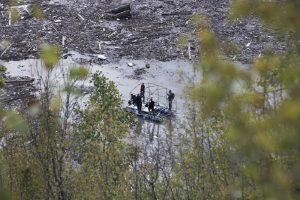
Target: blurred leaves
(73, 90)
(78, 73)
(2, 82)
(183, 41)
(15, 14)
(201, 22)
(56, 104)
(260, 106)
(50, 55)
(2, 79)
(230, 48)
(282, 16)
(2, 69)
(37, 12)
(13, 121)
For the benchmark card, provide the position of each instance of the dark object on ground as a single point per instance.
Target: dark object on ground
(140, 71)
(171, 97)
(142, 92)
(120, 9)
(122, 12)
(139, 103)
(20, 82)
(177, 13)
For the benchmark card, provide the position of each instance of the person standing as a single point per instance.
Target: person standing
(132, 100)
(171, 97)
(151, 105)
(139, 103)
(142, 92)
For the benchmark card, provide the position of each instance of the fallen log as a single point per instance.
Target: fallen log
(80, 16)
(177, 13)
(120, 9)
(19, 81)
(10, 99)
(122, 15)
(121, 12)
(5, 50)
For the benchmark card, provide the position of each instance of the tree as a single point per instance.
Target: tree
(263, 132)
(37, 138)
(100, 146)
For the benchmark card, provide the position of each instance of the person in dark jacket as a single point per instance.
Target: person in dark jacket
(171, 97)
(132, 100)
(151, 105)
(139, 103)
(142, 92)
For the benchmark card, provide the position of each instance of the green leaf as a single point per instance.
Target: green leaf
(56, 104)
(50, 55)
(78, 73)
(14, 121)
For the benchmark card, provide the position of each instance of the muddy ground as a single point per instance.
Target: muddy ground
(151, 33)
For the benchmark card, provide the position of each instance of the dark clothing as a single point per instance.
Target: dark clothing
(139, 103)
(151, 106)
(132, 100)
(143, 92)
(171, 97)
(143, 89)
(170, 105)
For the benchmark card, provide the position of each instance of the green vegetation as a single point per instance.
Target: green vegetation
(257, 126)
(2, 71)
(240, 139)
(100, 145)
(2, 82)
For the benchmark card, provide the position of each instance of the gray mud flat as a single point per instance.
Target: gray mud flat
(168, 74)
(147, 136)
(151, 33)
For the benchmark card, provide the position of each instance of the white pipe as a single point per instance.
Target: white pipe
(63, 40)
(9, 18)
(189, 50)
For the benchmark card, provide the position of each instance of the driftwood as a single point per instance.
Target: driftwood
(23, 96)
(177, 13)
(18, 89)
(120, 9)
(5, 50)
(123, 15)
(23, 81)
(80, 16)
(122, 12)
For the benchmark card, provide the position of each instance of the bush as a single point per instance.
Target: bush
(2, 69)
(2, 82)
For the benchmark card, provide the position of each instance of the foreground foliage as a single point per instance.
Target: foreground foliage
(257, 111)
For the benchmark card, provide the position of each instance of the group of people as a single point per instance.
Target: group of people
(136, 100)
(139, 99)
